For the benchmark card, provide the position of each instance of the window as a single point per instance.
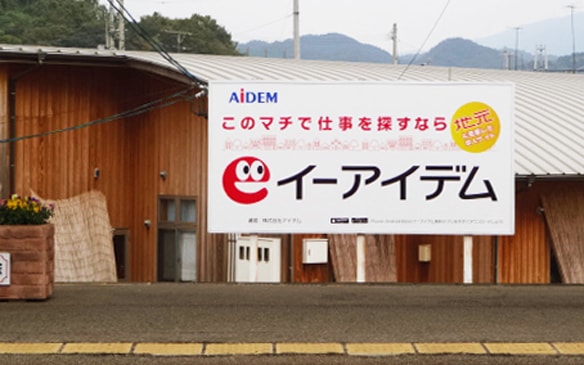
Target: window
(177, 238)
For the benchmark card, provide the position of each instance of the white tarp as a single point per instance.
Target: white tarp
(348, 157)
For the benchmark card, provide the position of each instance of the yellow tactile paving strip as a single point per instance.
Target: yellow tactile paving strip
(507, 348)
(379, 349)
(450, 348)
(30, 348)
(309, 348)
(570, 348)
(239, 348)
(97, 348)
(169, 349)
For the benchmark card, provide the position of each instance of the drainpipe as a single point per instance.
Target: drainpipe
(12, 122)
(11, 133)
(291, 259)
(4, 146)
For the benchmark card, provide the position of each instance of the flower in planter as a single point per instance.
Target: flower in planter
(24, 211)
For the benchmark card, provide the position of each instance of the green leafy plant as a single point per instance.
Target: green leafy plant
(24, 211)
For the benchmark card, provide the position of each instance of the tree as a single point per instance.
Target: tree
(13, 26)
(75, 23)
(197, 34)
(81, 23)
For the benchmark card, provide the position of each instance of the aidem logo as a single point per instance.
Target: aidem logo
(253, 97)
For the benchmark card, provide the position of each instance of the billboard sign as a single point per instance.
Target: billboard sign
(361, 157)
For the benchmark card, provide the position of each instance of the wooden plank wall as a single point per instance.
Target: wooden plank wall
(445, 265)
(381, 254)
(483, 259)
(564, 214)
(55, 166)
(525, 257)
(129, 153)
(171, 139)
(380, 260)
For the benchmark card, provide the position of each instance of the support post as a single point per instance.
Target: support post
(253, 258)
(394, 40)
(467, 260)
(360, 258)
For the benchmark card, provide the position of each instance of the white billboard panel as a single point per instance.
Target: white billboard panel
(353, 157)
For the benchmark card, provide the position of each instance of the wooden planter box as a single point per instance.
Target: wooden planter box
(32, 263)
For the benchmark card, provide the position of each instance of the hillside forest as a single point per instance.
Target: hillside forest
(82, 23)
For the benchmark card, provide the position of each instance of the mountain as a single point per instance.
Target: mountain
(452, 52)
(554, 34)
(455, 52)
(332, 46)
(459, 52)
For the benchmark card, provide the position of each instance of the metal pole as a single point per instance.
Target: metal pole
(121, 28)
(573, 39)
(535, 58)
(110, 27)
(394, 40)
(296, 30)
(516, 46)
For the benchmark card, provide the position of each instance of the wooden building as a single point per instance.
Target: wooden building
(133, 126)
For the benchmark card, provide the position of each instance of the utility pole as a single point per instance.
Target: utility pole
(180, 36)
(394, 40)
(109, 29)
(506, 60)
(540, 50)
(113, 32)
(296, 30)
(121, 28)
(517, 29)
(573, 38)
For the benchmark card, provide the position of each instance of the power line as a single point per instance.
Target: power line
(426, 40)
(141, 109)
(157, 47)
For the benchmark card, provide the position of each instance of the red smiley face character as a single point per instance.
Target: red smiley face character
(242, 177)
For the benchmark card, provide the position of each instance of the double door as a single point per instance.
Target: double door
(257, 259)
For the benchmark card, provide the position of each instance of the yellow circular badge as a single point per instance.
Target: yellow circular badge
(475, 127)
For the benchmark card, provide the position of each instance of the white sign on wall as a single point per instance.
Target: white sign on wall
(4, 269)
(354, 157)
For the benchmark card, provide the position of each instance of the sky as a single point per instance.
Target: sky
(368, 21)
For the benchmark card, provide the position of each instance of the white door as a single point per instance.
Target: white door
(242, 260)
(268, 255)
(188, 256)
(257, 259)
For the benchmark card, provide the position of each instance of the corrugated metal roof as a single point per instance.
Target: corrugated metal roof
(549, 106)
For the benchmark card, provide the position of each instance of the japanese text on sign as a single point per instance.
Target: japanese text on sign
(349, 157)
